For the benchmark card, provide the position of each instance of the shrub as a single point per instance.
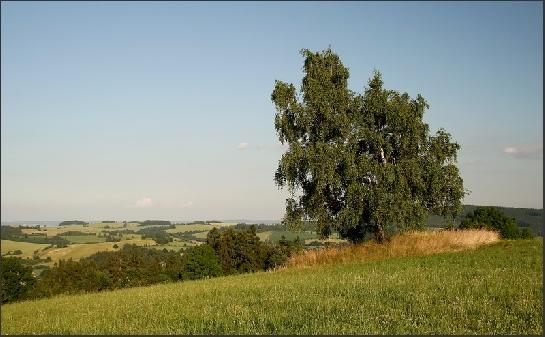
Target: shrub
(494, 219)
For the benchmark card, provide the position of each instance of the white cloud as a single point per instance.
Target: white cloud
(143, 202)
(242, 146)
(187, 204)
(525, 150)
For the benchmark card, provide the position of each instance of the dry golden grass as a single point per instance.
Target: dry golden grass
(411, 243)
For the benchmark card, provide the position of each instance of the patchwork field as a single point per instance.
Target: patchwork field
(495, 289)
(77, 251)
(26, 247)
(91, 229)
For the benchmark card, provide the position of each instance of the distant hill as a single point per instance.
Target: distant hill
(525, 217)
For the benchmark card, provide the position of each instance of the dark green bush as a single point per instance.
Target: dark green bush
(494, 219)
(16, 281)
(201, 262)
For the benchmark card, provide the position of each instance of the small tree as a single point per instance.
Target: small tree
(201, 261)
(360, 163)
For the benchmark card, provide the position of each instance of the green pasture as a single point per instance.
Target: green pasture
(26, 248)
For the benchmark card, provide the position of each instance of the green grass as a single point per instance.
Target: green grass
(496, 289)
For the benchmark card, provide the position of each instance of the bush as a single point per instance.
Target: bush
(17, 280)
(494, 219)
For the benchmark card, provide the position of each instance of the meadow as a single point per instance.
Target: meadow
(489, 288)
(27, 248)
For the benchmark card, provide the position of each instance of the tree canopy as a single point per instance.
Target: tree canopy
(360, 163)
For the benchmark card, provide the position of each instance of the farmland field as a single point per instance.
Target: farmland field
(495, 289)
(92, 238)
(26, 247)
(77, 251)
(91, 229)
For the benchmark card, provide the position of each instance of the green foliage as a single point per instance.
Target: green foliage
(241, 251)
(362, 162)
(17, 280)
(525, 233)
(494, 219)
(525, 217)
(129, 267)
(201, 262)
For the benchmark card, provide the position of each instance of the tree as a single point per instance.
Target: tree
(494, 219)
(360, 163)
(17, 279)
(201, 261)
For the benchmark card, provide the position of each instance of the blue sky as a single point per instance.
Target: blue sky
(138, 110)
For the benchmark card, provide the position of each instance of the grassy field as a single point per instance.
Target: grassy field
(495, 289)
(26, 247)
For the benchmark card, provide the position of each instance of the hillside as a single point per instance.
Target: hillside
(495, 289)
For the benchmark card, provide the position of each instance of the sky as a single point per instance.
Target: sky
(150, 110)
